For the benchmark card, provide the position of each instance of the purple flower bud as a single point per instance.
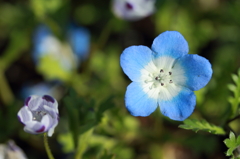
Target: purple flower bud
(39, 114)
(11, 150)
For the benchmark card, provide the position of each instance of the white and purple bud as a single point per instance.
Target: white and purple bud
(11, 151)
(39, 114)
(133, 10)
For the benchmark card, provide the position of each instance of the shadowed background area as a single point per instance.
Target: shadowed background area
(70, 50)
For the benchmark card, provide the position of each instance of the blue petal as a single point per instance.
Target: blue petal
(180, 107)
(197, 70)
(133, 59)
(40, 34)
(79, 38)
(137, 102)
(170, 43)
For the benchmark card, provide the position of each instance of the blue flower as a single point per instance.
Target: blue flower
(40, 89)
(70, 53)
(165, 76)
(39, 114)
(79, 39)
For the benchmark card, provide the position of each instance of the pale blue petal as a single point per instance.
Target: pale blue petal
(170, 43)
(40, 35)
(79, 38)
(24, 115)
(198, 71)
(133, 59)
(47, 122)
(35, 103)
(180, 107)
(34, 127)
(137, 102)
(51, 111)
(51, 130)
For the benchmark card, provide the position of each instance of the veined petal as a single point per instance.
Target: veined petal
(138, 102)
(51, 111)
(34, 127)
(179, 107)
(54, 124)
(133, 59)
(170, 43)
(47, 122)
(25, 115)
(197, 71)
(50, 102)
(35, 102)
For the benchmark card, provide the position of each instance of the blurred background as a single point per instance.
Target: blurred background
(59, 46)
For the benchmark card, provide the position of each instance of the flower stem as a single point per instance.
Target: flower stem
(5, 93)
(105, 34)
(229, 121)
(49, 153)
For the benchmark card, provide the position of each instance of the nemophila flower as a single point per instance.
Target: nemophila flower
(133, 9)
(165, 76)
(11, 151)
(79, 39)
(40, 89)
(69, 53)
(39, 114)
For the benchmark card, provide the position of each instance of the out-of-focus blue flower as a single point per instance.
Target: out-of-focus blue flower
(133, 10)
(165, 75)
(11, 151)
(39, 114)
(41, 89)
(79, 39)
(69, 53)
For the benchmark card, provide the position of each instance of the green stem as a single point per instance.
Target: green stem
(83, 144)
(49, 153)
(229, 121)
(105, 34)
(5, 92)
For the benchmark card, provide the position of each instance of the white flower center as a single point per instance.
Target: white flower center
(160, 78)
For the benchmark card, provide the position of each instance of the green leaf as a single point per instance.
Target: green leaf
(73, 117)
(105, 105)
(43, 7)
(196, 125)
(232, 143)
(106, 155)
(234, 100)
(235, 78)
(52, 68)
(232, 87)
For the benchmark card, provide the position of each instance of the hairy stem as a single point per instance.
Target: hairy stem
(49, 153)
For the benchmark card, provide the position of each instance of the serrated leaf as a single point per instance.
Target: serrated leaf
(232, 136)
(235, 78)
(196, 125)
(232, 87)
(234, 100)
(232, 143)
